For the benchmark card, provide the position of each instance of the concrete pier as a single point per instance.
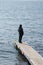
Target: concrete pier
(31, 55)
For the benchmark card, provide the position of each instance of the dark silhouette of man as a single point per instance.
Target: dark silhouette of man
(21, 33)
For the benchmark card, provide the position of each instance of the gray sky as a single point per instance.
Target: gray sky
(27, 0)
(21, 0)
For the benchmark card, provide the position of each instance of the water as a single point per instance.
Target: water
(30, 15)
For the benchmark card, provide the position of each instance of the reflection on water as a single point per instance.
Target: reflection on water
(12, 13)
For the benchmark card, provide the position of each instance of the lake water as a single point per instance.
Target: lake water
(12, 14)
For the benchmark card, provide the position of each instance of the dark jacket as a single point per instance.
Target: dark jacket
(20, 30)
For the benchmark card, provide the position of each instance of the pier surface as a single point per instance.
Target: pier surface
(32, 55)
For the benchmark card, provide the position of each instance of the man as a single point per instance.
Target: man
(21, 33)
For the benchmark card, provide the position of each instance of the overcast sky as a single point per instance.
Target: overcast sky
(21, 0)
(27, 0)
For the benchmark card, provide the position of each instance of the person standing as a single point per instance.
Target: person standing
(21, 33)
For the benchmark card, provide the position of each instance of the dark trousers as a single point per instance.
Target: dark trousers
(20, 39)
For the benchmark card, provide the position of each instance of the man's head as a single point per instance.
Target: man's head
(20, 25)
